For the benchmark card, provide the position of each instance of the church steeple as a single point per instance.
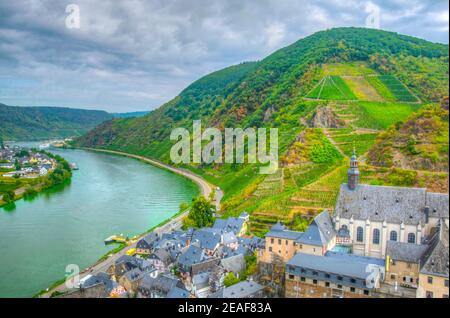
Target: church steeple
(353, 172)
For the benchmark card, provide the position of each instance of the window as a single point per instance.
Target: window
(315, 273)
(270, 248)
(327, 275)
(392, 276)
(430, 280)
(376, 236)
(353, 281)
(272, 241)
(366, 292)
(412, 238)
(327, 284)
(303, 270)
(287, 242)
(339, 277)
(279, 242)
(301, 246)
(302, 279)
(360, 234)
(393, 236)
(291, 276)
(315, 281)
(339, 286)
(446, 283)
(429, 294)
(352, 289)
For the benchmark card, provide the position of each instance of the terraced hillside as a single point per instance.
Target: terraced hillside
(327, 94)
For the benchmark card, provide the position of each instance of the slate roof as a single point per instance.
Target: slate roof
(320, 232)
(179, 293)
(242, 289)
(436, 259)
(163, 283)
(134, 274)
(229, 238)
(207, 239)
(200, 280)
(162, 255)
(335, 263)
(406, 252)
(390, 204)
(280, 231)
(231, 224)
(100, 278)
(438, 203)
(192, 255)
(235, 264)
(147, 241)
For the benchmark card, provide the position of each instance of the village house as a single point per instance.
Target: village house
(244, 289)
(434, 275)
(145, 245)
(161, 260)
(131, 280)
(154, 285)
(403, 264)
(239, 225)
(334, 275)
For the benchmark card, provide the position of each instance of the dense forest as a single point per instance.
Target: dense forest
(385, 76)
(37, 123)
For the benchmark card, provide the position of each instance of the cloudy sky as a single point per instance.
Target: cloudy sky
(135, 55)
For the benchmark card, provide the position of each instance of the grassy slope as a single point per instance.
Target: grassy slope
(270, 93)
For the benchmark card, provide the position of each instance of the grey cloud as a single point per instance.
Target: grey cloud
(132, 55)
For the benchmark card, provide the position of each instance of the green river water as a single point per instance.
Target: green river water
(68, 224)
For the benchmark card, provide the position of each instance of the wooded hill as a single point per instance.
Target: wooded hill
(38, 123)
(327, 93)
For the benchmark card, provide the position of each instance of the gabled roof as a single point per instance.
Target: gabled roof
(231, 224)
(390, 204)
(242, 289)
(162, 255)
(405, 252)
(335, 263)
(147, 241)
(134, 274)
(163, 283)
(279, 231)
(192, 255)
(179, 293)
(436, 258)
(207, 239)
(235, 264)
(320, 232)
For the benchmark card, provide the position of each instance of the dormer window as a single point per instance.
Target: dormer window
(397, 200)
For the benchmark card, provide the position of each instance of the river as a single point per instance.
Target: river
(68, 224)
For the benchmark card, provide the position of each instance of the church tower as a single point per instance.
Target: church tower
(353, 172)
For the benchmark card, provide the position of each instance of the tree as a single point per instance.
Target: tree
(9, 196)
(230, 280)
(202, 212)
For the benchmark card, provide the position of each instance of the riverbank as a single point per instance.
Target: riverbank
(206, 188)
(58, 171)
(172, 223)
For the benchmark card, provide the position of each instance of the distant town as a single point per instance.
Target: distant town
(27, 171)
(380, 242)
